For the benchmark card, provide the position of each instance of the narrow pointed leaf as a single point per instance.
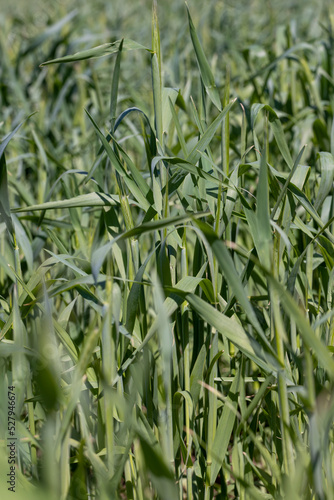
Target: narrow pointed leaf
(225, 427)
(83, 200)
(100, 51)
(204, 67)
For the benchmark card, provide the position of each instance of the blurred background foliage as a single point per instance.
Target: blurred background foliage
(94, 384)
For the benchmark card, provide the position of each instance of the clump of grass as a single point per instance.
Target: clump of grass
(166, 270)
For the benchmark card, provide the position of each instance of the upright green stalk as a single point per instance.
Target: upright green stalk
(287, 445)
(157, 85)
(226, 128)
(212, 402)
(109, 366)
(156, 74)
(186, 363)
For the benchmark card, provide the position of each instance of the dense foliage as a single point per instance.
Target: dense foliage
(166, 249)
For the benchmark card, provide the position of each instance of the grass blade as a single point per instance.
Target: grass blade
(100, 51)
(206, 73)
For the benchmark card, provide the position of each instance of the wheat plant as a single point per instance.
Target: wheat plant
(167, 259)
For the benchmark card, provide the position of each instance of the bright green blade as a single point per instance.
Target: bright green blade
(100, 51)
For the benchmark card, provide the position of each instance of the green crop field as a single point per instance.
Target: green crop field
(166, 250)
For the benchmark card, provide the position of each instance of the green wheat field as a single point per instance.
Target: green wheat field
(166, 250)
